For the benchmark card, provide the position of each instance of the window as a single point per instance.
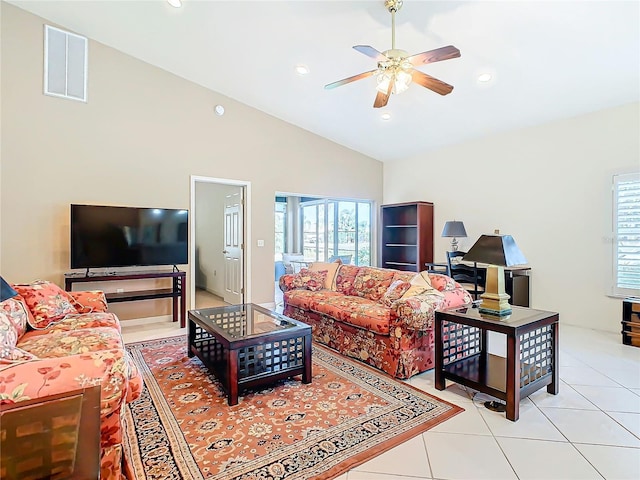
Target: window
(336, 228)
(281, 227)
(626, 231)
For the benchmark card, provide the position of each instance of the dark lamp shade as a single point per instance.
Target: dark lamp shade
(454, 229)
(498, 250)
(6, 291)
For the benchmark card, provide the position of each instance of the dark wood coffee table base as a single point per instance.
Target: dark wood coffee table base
(251, 361)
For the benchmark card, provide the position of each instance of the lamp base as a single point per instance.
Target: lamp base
(495, 313)
(495, 301)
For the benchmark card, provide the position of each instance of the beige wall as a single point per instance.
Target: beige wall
(137, 141)
(548, 186)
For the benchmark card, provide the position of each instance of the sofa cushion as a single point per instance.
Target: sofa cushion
(73, 342)
(394, 292)
(307, 299)
(372, 283)
(330, 268)
(85, 320)
(310, 280)
(47, 302)
(345, 277)
(357, 311)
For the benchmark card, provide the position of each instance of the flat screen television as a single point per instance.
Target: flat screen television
(105, 236)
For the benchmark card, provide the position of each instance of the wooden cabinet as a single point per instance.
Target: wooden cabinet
(631, 321)
(406, 236)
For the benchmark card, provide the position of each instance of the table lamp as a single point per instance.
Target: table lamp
(6, 292)
(454, 229)
(497, 251)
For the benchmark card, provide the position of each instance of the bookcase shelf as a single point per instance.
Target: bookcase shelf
(407, 235)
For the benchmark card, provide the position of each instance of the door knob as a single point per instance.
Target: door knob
(224, 251)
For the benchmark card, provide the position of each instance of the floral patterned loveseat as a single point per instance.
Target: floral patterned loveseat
(380, 316)
(52, 341)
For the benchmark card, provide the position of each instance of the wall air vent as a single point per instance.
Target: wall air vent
(65, 64)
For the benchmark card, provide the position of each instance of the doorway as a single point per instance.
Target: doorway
(219, 261)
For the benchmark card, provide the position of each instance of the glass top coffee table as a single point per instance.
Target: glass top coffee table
(247, 345)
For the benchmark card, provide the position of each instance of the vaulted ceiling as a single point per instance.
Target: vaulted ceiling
(549, 60)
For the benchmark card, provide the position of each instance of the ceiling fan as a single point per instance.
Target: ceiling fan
(396, 67)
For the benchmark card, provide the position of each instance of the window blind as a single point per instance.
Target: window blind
(626, 226)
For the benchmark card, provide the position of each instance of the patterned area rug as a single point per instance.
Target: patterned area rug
(182, 428)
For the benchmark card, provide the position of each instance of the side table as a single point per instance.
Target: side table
(532, 353)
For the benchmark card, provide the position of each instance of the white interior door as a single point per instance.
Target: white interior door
(233, 248)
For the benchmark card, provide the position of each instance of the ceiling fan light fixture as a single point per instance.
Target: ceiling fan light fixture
(175, 3)
(386, 116)
(485, 77)
(402, 81)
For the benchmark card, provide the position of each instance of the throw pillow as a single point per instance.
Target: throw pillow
(394, 292)
(47, 302)
(420, 284)
(330, 268)
(13, 324)
(372, 283)
(310, 280)
(345, 278)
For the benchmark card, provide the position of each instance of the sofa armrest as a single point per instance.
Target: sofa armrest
(89, 301)
(113, 370)
(418, 312)
(286, 282)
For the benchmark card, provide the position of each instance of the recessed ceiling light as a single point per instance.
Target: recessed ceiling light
(219, 109)
(302, 69)
(175, 3)
(485, 77)
(385, 116)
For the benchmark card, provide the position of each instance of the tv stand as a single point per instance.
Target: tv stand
(177, 290)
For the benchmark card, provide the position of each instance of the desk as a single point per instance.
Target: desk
(516, 280)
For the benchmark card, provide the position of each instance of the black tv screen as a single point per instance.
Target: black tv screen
(104, 236)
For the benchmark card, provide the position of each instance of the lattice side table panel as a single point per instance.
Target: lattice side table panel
(207, 345)
(459, 341)
(536, 355)
(270, 357)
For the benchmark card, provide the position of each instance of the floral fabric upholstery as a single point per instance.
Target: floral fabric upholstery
(397, 339)
(89, 301)
(345, 279)
(372, 283)
(305, 278)
(395, 292)
(83, 349)
(47, 302)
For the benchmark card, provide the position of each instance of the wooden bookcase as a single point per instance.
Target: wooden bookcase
(406, 236)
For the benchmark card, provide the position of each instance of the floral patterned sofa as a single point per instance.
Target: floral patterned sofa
(52, 341)
(383, 317)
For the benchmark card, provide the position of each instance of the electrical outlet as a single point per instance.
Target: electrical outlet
(119, 290)
(261, 243)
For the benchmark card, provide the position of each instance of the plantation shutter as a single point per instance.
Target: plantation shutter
(626, 225)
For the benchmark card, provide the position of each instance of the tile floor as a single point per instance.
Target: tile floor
(590, 430)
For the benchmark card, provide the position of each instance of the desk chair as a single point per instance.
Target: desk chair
(468, 276)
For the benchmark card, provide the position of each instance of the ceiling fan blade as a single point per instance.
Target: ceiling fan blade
(344, 81)
(431, 83)
(371, 52)
(437, 55)
(383, 98)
